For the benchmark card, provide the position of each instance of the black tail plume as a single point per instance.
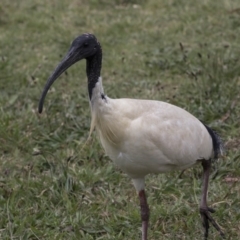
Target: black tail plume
(217, 142)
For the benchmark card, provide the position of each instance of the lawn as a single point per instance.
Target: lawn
(54, 184)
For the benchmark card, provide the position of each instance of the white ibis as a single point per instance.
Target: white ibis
(143, 136)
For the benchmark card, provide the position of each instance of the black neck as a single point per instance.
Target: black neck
(94, 65)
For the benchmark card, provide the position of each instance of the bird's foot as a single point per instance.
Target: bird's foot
(206, 218)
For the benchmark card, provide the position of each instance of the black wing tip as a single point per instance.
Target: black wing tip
(218, 147)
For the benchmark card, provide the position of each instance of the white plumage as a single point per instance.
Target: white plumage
(143, 136)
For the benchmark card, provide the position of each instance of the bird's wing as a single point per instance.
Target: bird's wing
(155, 135)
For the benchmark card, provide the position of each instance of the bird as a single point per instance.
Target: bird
(143, 136)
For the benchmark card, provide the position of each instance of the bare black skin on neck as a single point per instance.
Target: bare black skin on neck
(93, 69)
(86, 47)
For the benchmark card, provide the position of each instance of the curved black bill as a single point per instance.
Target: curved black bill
(67, 62)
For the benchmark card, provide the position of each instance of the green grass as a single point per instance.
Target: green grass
(54, 187)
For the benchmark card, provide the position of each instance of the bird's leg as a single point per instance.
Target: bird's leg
(144, 213)
(204, 209)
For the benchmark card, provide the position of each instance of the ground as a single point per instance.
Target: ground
(54, 184)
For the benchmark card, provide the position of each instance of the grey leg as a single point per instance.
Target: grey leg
(204, 209)
(144, 213)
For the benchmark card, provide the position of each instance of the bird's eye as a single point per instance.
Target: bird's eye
(85, 44)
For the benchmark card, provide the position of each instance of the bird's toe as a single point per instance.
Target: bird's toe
(206, 218)
(211, 210)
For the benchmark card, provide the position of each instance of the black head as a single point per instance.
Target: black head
(85, 46)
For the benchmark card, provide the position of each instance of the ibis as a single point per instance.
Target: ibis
(143, 136)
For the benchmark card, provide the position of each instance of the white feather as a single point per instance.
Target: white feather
(144, 136)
